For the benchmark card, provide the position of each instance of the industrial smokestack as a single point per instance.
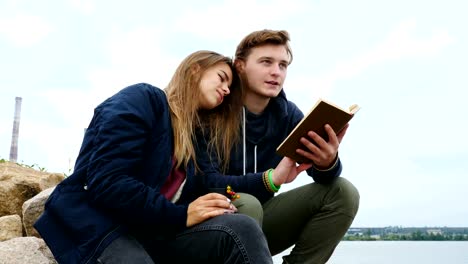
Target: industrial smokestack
(15, 134)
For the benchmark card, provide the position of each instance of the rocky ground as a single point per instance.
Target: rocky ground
(23, 192)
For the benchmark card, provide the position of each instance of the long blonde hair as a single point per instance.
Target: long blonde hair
(219, 125)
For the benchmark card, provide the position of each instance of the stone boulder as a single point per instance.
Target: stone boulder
(23, 192)
(20, 250)
(18, 184)
(10, 227)
(32, 209)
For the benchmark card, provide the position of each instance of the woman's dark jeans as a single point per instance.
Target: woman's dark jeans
(230, 238)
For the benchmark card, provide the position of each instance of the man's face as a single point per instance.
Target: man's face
(265, 69)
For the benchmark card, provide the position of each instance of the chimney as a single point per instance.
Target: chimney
(15, 134)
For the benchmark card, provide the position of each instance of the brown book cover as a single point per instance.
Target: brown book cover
(321, 114)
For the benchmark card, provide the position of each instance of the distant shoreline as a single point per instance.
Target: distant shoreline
(394, 233)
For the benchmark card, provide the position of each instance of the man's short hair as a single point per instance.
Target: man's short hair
(260, 38)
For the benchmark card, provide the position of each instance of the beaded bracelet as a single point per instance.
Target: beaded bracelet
(265, 181)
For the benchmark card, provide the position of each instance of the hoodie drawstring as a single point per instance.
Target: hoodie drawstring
(244, 146)
(243, 138)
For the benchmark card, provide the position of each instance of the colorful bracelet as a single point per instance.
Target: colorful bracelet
(272, 184)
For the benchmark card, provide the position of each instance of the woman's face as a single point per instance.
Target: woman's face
(214, 85)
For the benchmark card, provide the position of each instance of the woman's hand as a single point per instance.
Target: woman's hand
(208, 206)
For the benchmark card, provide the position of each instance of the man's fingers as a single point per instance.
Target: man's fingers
(342, 133)
(315, 142)
(302, 167)
(306, 154)
(331, 134)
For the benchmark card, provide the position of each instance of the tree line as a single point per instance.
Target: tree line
(413, 236)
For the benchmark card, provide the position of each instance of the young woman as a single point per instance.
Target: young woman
(132, 197)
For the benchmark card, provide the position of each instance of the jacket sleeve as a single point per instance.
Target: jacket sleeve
(319, 176)
(123, 126)
(213, 179)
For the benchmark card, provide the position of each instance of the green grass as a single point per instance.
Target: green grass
(34, 166)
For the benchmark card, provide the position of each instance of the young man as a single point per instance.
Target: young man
(313, 218)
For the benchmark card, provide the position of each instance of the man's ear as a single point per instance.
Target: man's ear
(239, 64)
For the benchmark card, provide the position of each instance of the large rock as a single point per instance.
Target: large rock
(32, 209)
(20, 250)
(10, 227)
(18, 184)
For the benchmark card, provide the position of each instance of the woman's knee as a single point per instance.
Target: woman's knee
(247, 235)
(243, 224)
(249, 205)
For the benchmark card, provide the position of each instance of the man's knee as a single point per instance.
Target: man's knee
(346, 196)
(249, 205)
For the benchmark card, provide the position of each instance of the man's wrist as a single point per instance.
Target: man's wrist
(334, 164)
(268, 181)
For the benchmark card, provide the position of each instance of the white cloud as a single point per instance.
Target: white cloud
(397, 191)
(422, 125)
(400, 43)
(50, 146)
(235, 18)
(25, 30)
(135, 57)
(74, 106)
(84, 6)
(309, 88)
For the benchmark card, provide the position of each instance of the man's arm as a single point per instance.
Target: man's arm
(257, 184)
(212, 177)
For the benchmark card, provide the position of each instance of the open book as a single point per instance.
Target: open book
(322, 113)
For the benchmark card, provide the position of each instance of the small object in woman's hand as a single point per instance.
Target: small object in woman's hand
(232, 194)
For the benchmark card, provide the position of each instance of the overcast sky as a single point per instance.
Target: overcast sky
(405, 62)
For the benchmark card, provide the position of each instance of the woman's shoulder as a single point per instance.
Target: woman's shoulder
(140, 98)
(144, 88)
(142, 93)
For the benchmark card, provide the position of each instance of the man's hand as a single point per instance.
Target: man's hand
(208, 206)
(287, 171)
(323, 154)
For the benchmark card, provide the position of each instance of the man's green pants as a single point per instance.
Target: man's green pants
(314, 218)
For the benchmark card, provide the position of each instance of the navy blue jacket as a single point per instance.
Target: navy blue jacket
(280, 117)
(124, 160)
